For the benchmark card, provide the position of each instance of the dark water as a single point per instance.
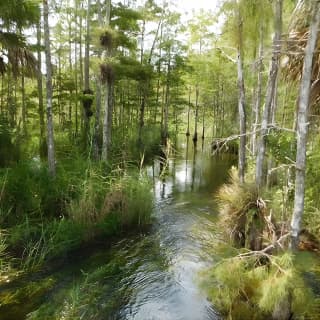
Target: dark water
(146, 277)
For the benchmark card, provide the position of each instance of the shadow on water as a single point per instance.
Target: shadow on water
(150, 276)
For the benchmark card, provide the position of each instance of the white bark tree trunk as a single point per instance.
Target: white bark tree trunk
(242, 119)
(302, 125)
(40, 91)
(106, 131)
(96, 152)
(257, 105)
(274, 66)
(50, 135)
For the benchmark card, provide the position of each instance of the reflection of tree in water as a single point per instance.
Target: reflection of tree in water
(194, 165)
(163, 188)
(186, 164)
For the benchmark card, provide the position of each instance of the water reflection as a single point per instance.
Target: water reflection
(184, 218)
(191, 171)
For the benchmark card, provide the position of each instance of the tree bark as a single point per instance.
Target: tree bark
(107, 121)
(302, 126)
(50, 134)
(189, 107)
(165, 133)
(195, 134)
(98, 96)
(40, 89)
(24, 109)
(259, 91)
(270, 93)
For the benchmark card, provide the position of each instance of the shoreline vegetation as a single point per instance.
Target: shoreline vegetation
(87, 100)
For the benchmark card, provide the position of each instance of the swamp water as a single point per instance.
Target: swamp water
(152, 276)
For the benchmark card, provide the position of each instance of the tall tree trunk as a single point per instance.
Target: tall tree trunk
(88, 100)
(257, 105)
(302, 125)
(76, 66)
(270, 93)
(24, 109)
(241, 103)
(98, 96)
(203, 121)
(165, 133)
(195, 134)
(189, 107)
(50, 136)
(106, 131)
(40, 91)
(87, 49)
(242, 120)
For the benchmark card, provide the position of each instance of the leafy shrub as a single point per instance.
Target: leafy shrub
(9, 150)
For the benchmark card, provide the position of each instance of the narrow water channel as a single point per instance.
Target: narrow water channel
(152, 276)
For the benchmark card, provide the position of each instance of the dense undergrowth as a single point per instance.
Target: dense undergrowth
(43, 218)
(256, 276)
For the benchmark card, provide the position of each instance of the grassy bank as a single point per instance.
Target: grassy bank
(44, 218)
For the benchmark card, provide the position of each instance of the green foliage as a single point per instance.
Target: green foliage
(9, 149)
(125, 147)
(243, 288)
(312, 202)
(39, 242)
(32, 291)
(28, 189)
(236, 202)
(138, 202)
(282, 146)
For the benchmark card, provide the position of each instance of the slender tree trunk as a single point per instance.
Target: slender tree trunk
(222, 111)
(87, 49)
(270, 93)
(203, 121)
(87, 103)
(142, 110)
(104, 155)
(40, 90)
(98, 97)
(24, 109)
(76, 66)
(107, 122)
(195, 134)
(302, 125)
(50, 136)
(165, 134)
(189, 107)
(257, 106)
(242, 120)
(110, 111)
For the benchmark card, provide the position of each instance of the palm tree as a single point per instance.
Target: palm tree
(14, 51)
